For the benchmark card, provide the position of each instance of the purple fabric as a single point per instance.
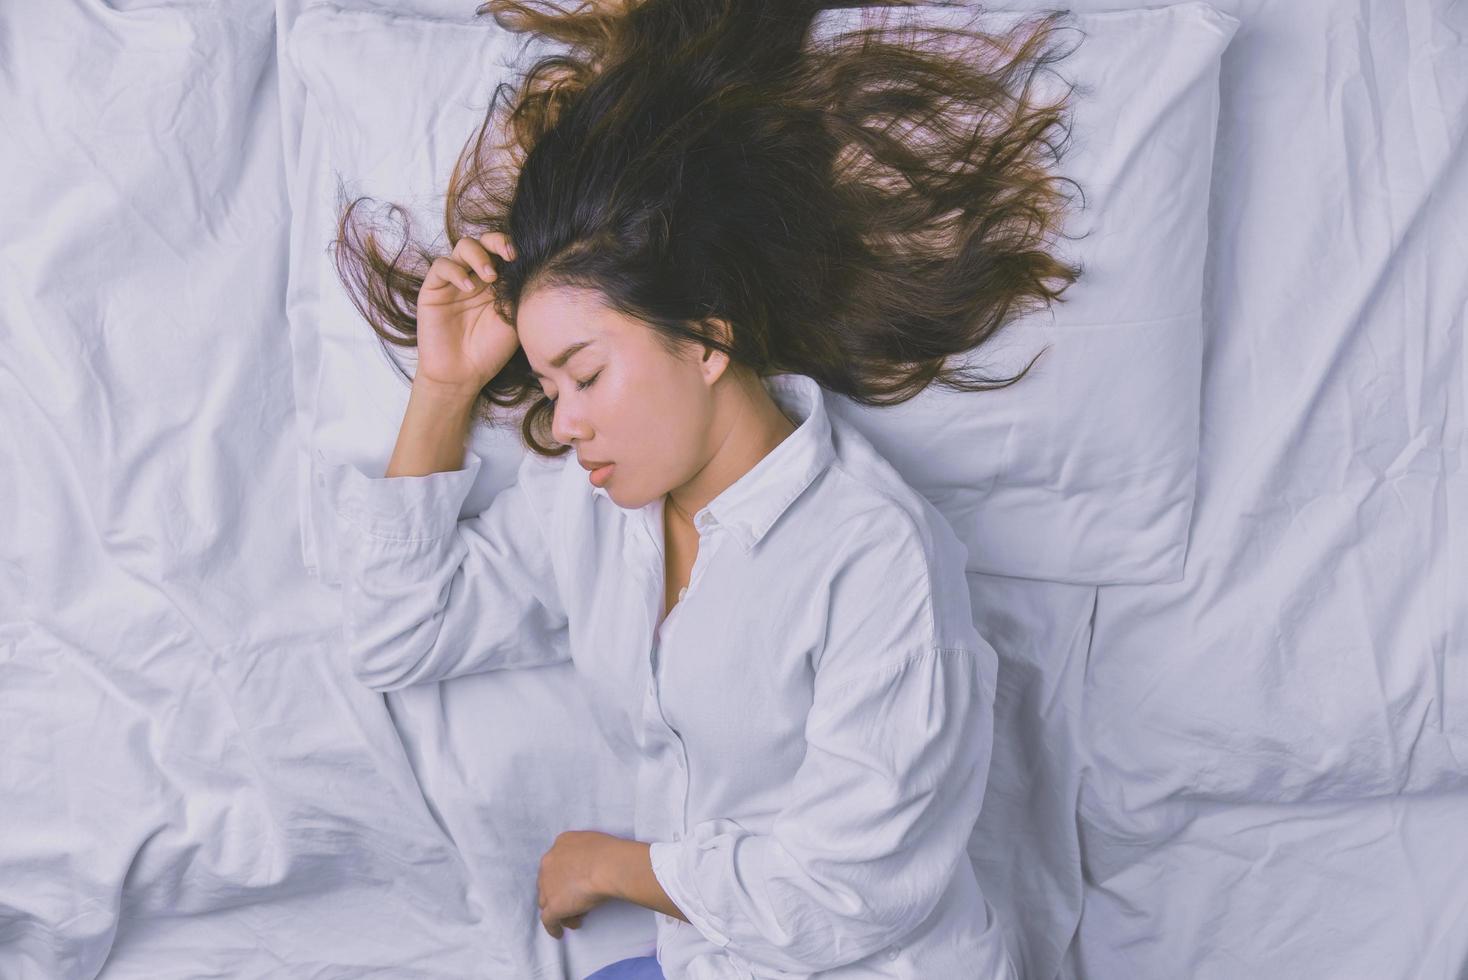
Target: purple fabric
(633, 968)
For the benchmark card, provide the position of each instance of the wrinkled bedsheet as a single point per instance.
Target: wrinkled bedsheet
(1275, 762)
(1260, 771)
(191, 785)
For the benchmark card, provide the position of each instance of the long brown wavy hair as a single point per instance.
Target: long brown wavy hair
(858, 209)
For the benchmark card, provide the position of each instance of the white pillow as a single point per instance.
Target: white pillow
(1081, 472)
(1084, 470)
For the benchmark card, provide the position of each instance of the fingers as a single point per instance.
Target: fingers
(500, 243)
(549, 926)
(473, 256)
(553, 927)
(469, 258)
(556, 928)
(444, 271)
(474, 252)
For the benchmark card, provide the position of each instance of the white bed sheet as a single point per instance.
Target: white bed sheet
(1258, 771)
(1275, 776)
(191, 784)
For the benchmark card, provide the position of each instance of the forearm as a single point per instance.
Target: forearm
(434, 432)
(627, 875)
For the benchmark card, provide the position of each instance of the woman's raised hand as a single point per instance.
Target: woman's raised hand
(462, 341)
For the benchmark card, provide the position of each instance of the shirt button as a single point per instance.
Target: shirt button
(682, 592)
(893, 952)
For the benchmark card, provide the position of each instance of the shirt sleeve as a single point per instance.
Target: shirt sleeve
(881, 808)
(427, 596)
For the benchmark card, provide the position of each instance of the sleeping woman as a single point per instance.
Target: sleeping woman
(700, 221)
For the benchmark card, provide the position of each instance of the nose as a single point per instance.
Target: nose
(561, 432)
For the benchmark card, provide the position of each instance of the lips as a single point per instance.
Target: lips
(601, 475)
(590, 464)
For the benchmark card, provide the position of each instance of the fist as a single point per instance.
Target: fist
(571, 877)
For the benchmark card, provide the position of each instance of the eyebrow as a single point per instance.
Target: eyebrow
(560, 359)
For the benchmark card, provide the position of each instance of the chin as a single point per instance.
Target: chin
(620, 499)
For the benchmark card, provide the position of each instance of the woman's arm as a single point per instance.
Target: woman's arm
(626, 873)
(435, 430)
(426, 595)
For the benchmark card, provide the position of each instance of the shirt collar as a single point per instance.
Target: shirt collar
(751, 504)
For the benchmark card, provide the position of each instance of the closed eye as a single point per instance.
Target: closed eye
(582, 385)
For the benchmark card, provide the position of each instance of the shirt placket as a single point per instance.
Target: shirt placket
(667, 749)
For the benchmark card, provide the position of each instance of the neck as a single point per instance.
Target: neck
(759, 425)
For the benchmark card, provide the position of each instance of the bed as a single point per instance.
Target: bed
(1246, 759)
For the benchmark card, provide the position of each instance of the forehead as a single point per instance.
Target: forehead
(554, 323)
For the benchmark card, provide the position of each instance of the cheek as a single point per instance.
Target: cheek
(634, 427)
(614, 410)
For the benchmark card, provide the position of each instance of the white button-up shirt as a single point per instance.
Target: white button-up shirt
(810, 726)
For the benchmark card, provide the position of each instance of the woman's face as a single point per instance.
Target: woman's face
(620, 398)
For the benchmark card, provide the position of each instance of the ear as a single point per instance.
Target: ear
(715, 361)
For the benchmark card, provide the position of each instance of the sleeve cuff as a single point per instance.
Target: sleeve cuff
(669, 860)
(398, 508)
